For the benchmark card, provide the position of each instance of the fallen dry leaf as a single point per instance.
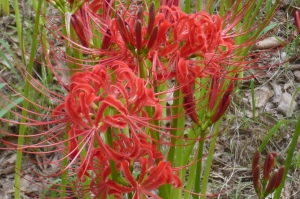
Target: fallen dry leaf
(269, 42)
(286, 105)
(277, 93)
(261, 96)
(297, 75)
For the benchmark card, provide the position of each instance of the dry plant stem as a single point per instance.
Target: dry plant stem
(288, 159)
(22, 130)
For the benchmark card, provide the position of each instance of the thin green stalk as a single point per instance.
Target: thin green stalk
(199, 164)
(209, 159)
(4, 8)
(253, 99)
(150, 111)
(288, 159)
(114, 174)
(22, 129)
(64, 175)
(179, 150)
(68, 44)
(199, 5)
(76, 53)
(20, 29)
(177, 123)
(175, 111)
(187, 6)
(209, 6)
(222, 8)
(270, 134)
(188, 158)
(189, 184)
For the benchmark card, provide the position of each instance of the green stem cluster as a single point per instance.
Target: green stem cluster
(26, 93)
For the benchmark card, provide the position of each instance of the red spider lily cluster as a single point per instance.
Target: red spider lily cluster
(110, 120)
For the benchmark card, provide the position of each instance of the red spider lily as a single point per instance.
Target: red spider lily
(83, 99)
(110, 98)
(96, 103)
(150, 178)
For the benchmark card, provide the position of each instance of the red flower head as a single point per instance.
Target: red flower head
(150, 178)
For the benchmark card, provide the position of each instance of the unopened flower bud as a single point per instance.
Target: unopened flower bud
(152, 39)
(297, 20)
(151, 19)
(138, 34)
(140, 14)
(271, 184)
(255, 179)
(223, 104)
(255, 161)
(268, 165)
(106, 40)
(122, 29)
(280, 173)
(190, 107)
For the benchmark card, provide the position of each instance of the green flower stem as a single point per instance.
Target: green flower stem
(97, 42)
(191, 177)
(64, 175)
(177, 130)
(253, 99)
(175, 111)
(188, 158)
(82, 150)
(109, 139)
(222, 8)
(209, 159)
(76, 53)
(187, 6)
(22, 129)
(20, 29)
(288, 159)
(202, 97)
(199, 5)
(67, 43)
(179, 150)
(199, 163)
(150, 111)
(209, 6)
(4, 8)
